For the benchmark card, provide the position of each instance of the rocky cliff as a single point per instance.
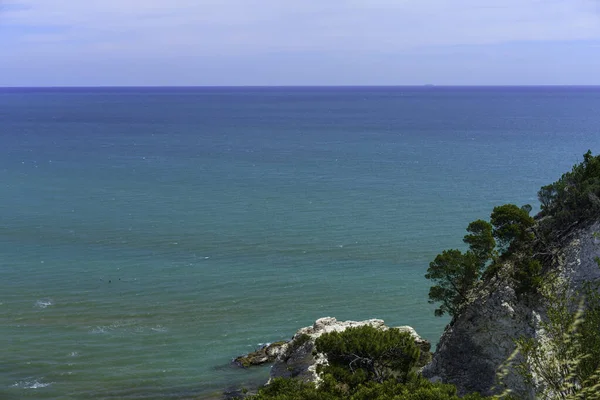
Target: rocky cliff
(298, 359)
(477, 342)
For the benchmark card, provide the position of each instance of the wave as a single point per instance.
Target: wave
(31, 384)
(123, 327)
(43, 303)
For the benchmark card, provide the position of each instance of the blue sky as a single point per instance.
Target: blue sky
(299, 42)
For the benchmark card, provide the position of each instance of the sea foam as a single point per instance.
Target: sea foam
(32, 384)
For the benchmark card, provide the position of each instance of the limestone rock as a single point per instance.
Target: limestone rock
(422, 344)
(299, 360)
(264, 355)
(479, 341)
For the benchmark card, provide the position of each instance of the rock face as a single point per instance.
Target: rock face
(264, 355)
(299, 359)
(480, 340)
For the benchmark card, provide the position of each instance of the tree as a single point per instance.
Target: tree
(416, 389)
(360, 354)
(481, 241)
(574, 198)
(547, 196)
(455, 274)
(528, 276)
(511, 225)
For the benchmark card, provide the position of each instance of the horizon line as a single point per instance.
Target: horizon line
(296, 86)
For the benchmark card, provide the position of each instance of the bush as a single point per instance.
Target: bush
(528, 276)
(574, 198)
(360, 354)
(565, 364)
(415, 389)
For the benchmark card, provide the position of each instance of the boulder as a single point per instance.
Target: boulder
(264, 355)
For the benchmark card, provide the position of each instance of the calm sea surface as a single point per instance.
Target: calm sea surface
(147, 236)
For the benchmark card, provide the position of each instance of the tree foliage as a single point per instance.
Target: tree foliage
(416, 388)
(574, 198)
(481, 241)
(528, 276)
(365, 363)
(365, 353)
(511, 226)
(454, 275)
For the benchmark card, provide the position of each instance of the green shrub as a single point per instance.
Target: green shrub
(574, 198)
(360, 354)
(528, 276)
(416, 388)
(565, 364)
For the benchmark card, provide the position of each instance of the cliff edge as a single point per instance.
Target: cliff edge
(480, 339)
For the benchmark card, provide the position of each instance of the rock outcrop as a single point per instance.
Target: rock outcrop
(481, 338)
(266, 354)
(299, 358)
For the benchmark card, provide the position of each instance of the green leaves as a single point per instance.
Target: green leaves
(455, 275)
(416, 389)
(481, 241)
(365, 363)
(528, 276)
(574, 198)
(511, 225)
(565, 362)
(369, 354)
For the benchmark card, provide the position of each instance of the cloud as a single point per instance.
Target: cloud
(234, 26)
(329, 33)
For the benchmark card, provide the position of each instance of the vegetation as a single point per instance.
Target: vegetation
(574, 198)
(415, 389)
(361, 354)
(365, 363)
(512, 238)
(295, 344)
(512, 227)
(455, 275)
(481, 241)
(566, 363)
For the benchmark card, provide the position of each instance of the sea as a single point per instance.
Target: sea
(150, 235)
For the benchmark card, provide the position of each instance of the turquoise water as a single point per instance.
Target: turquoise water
(148, 236)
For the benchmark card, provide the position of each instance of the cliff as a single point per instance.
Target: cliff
(481, 338)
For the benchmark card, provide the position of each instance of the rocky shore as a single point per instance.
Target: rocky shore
(474, 347)
(297, 357)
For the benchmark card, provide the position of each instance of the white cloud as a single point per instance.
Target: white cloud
(262, 40)
(241, 26)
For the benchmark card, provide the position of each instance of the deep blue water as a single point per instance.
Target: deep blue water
(147, 236)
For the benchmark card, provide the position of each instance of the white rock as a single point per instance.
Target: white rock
(476, 345)
(299, 360)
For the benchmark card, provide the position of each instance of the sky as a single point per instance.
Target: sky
(299, 42)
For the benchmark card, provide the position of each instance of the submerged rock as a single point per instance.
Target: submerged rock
(264, 355)
(300, 360)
